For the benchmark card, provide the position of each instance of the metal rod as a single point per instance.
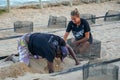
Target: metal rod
(6, 29)
(12, 37)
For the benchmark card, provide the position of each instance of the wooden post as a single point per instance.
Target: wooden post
(40, 2)
(8, 5)
(71, 3)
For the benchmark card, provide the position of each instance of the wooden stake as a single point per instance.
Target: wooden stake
(40, 2)
(8, 5)
(71, 3)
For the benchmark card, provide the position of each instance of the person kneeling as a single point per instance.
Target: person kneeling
(47, 46)
(81, 31)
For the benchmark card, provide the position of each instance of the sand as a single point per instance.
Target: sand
(40, 65)
(106, 32)
(14, 70)
(76, 75)
(104, 77)
(10, 69)
(69, 76)
(40, 19)
(40, 16)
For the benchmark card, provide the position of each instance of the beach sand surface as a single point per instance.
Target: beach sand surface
(107, 32)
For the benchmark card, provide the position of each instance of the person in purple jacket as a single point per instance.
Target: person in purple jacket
(47, 46)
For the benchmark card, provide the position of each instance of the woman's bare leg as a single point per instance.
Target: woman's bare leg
(84, 46)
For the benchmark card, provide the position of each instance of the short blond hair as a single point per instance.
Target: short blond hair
(75, 12)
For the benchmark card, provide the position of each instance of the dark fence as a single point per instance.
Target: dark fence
(99, 17)
(12, 37)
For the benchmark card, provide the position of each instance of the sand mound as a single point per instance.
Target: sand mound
(36, 66)
(40, 65)
(14, 70)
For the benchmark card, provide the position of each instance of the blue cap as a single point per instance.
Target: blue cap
(64, 51)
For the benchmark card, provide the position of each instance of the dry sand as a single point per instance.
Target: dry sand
(40, 19)
(36, 66)
(14, 70)
(107, 32)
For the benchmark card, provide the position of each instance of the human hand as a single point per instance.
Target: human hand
(76, 43)
(77, 63)
(72, 40)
